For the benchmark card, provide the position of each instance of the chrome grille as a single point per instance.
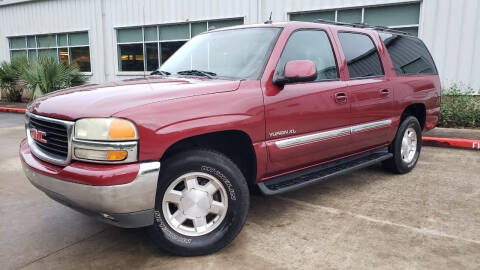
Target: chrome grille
(56, 137)
(54, 144)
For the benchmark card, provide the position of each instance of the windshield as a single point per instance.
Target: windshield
(233, 54)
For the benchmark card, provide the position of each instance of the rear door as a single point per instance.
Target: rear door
(307, 122)
(371, 91)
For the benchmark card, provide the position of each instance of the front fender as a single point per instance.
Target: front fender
(162, 124)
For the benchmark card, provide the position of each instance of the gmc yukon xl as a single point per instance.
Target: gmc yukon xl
(262, 108)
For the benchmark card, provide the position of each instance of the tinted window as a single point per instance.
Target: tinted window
(361, 54)
(314, 46)
(409, 55)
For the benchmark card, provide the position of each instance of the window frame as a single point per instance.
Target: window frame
(159, 42)
(331, 46)
(56, 47)
(362, 8)
(350, 78)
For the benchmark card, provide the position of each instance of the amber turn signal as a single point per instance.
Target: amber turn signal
(117, 155)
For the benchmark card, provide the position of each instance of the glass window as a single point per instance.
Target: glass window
(31, 43)
(78, 39)
(350, 15)
(404, 17)
(18, 53)
(393, 15)
(62, 40)
(47, 53)
(156, 44)
(17, 43)
(47, 41)
(174, 32)
(310, 45)
(361, 54)
(409, 55)
(225, 23)
(129, 35)
(131, 57)
(32, 55)
(63, 55)
(65, 47)
(169, 48)
(226, 53)
(151, 33)
(151, 50)
(198, 28)
(312, 16)
(81, 58)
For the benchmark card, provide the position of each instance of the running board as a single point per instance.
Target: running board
(322, 172)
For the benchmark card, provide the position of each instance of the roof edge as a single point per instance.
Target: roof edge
(14, 2)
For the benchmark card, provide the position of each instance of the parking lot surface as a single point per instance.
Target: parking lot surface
(427, 219)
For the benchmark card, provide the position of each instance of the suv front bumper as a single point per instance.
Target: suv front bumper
(125, 205)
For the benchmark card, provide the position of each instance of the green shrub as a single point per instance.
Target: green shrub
(10, 76)
(47, 74)
(459, 107)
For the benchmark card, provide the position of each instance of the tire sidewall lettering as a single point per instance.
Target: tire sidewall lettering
(223, 178)
(168, 233)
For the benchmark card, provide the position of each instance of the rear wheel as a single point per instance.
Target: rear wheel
(201, 204)
(406, 147)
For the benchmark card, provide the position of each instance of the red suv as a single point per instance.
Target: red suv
(265, 108)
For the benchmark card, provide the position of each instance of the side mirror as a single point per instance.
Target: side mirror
(296, 71)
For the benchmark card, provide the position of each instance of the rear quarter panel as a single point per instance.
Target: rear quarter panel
(424, 89)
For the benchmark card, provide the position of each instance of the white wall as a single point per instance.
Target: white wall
(450, 28)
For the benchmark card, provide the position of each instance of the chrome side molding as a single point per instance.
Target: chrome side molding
(325, 135)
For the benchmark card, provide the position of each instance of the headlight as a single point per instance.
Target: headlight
(105, 129)
(105, 140)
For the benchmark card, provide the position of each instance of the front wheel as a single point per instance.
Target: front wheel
(405, 147)
(201, 204)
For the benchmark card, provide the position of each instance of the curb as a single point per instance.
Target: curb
(452, 143)
(14, 110)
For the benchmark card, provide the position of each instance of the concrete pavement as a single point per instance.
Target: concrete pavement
(428, 219)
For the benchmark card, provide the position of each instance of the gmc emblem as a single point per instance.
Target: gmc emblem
(38, 135)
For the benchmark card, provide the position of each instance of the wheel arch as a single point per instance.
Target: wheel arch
(235, 144)
(418, 110)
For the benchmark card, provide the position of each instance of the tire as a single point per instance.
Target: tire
(208, 168)
(404, 164)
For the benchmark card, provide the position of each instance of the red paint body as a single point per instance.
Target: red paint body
(166, 111)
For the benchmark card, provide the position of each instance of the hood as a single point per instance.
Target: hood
(105, 100)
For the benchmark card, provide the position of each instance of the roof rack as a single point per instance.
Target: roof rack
(362, 25)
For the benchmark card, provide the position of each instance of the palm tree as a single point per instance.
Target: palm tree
(47, 74)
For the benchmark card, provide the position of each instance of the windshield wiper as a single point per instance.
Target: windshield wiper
(160, 72)
(195, 72)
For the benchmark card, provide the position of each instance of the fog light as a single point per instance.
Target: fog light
(102, 155)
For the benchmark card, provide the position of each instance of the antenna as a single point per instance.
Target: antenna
(269, 21)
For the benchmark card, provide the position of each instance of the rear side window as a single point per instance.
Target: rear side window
(409, 55)
(312, 45)
(362, 56)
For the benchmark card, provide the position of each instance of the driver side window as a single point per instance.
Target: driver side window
(312, 45)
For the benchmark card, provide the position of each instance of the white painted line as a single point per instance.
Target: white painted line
(379, 221)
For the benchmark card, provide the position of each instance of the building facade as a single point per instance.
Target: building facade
(118, 39)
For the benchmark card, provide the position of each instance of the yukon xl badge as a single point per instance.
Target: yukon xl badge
(282, 133)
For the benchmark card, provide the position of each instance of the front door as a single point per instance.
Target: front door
(307, 123)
